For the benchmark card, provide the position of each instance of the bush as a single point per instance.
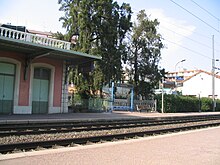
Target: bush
(177, 103)
(206, 104)
(217, 105)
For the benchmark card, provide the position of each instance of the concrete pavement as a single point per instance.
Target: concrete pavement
(192, 147)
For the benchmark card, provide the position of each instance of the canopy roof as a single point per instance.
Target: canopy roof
(38, 50)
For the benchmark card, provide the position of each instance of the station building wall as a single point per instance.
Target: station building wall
(23, 87)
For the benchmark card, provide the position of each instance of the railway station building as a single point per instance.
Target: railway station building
(33, 71)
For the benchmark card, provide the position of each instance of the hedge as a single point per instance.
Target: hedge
(178, 103)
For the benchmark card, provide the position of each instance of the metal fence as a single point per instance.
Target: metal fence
(89, 105)
(104, 105)
(152, 104)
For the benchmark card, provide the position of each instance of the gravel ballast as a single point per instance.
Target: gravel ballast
(71, 135)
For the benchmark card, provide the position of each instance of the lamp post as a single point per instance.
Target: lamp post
(162, 101)
(176, 71)
(179, 62)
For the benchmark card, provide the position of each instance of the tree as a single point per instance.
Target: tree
(100, 27)
(144, 55)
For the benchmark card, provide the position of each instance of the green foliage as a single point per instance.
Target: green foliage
(218, 105)
(206, 104)
(177, 103)
(59, 36)
(144, 55)
(101, 27)
(87, 84)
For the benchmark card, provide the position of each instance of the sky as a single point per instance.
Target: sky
(187, 26)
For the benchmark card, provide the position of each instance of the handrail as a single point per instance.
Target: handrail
(33, 38)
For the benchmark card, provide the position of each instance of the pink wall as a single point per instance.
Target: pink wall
(24, 87)
(25, 84)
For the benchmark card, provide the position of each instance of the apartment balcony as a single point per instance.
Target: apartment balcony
(33, 38)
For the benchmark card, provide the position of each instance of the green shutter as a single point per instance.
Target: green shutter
(7, 72)
(40, 94)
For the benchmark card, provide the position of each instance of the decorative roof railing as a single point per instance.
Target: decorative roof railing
(33, 38)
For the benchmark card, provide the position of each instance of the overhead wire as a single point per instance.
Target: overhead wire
(195, 16)
(218, 20)
(182, 28)
(185, 29)
(191, 50)
(198, 53)
(205, 10)
(178, 26)
(188, 38)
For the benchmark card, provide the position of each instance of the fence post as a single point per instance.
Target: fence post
(112, 97)
(155, 104)
(162, 100)
(132, 99)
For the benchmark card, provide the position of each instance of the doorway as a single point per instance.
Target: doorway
(40, 96)
(7, 78)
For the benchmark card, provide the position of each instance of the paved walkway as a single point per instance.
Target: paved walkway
(89, 116)
(200, 147)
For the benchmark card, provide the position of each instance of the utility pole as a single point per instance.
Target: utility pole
(162, 100)
(213, 74)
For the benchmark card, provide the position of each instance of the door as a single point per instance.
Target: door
(40, 90)
(7, 76)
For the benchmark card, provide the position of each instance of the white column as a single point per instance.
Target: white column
(64, 98)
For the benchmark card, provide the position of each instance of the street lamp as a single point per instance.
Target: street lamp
(179, 62)
(176, 71)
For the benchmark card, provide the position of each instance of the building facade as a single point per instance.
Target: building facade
(195, 83)
(33, 72)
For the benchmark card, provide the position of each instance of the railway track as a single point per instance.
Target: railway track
(46, 128)
(159, 126)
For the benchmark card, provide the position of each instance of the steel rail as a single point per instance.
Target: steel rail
(105, 127)
(6, 127)
(97, 121)
(5, 148)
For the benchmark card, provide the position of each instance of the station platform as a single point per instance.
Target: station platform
(189, 147)
(75, 117)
